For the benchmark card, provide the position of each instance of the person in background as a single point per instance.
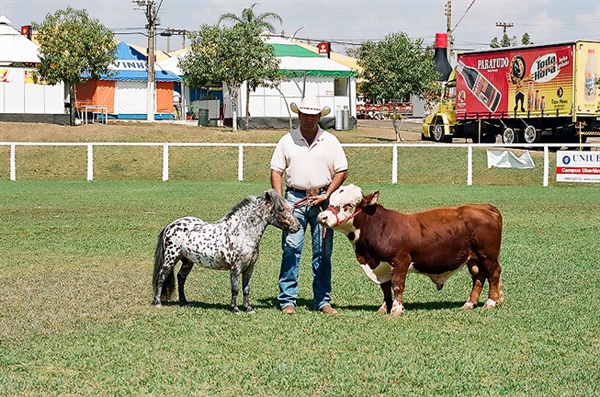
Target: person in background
(315, 165)
(177, 104)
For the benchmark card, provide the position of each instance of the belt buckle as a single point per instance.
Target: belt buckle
(313, 191)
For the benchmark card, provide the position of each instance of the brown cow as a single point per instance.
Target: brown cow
(436, 243)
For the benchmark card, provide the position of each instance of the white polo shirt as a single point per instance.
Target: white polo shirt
(307, 166)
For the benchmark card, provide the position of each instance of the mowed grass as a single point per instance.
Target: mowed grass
(76, 315)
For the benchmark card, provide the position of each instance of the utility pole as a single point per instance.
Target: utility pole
(504, 25)
(151, 16)
(170, 32)
(449, 29)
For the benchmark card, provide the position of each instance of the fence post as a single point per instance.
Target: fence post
(469, 165)
(395, 164)
(90, 162)
(546, 165)
(165, 175)
(13, 162)
(240, 163)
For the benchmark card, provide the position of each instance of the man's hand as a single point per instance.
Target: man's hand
(318, 201)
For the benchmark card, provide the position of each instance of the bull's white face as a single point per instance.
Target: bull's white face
(342, 205)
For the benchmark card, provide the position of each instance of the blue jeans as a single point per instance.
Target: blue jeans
(292, 251)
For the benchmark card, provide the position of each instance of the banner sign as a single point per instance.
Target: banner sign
(577, 166)
(521, 82)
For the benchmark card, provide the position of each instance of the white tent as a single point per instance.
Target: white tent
(172, 64)
(14, 47)
(124, 91)
(19, 92)
(308, 73)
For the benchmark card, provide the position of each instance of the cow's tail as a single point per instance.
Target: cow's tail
(168, 285)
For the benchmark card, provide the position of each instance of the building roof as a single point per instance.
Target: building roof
(345, 60)
(131, 65)
(296, 59)
(14, 47)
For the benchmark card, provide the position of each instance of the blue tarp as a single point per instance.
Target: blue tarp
(131, 65)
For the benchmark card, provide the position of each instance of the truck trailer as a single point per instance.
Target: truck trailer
(528, 94)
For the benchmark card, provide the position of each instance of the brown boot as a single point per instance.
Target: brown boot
(328, 310)
(289, 309)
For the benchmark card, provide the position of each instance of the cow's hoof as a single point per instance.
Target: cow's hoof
(468, 306)
(250, 310)
(397, 309)
(489, 304)
(235, 311)
(157, 305)
(501, 298)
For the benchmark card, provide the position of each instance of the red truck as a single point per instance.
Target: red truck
(530, 94)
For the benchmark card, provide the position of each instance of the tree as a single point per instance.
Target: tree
(525, 40)
(352, 52)
(228, 55)
(395, 68)
(254, 25)
(508, 42)
(261, 21)
(73, 45)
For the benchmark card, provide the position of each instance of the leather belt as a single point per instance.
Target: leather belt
(308, 192)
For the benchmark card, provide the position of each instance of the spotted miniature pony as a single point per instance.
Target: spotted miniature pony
(229, 244)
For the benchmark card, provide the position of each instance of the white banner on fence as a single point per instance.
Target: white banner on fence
(507, 159)
(577, 166)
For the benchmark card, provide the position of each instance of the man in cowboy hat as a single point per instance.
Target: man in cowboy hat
(315, 165)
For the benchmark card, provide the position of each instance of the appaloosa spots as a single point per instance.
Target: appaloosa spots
(229, 244)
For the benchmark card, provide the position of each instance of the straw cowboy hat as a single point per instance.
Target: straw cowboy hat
(310, 105)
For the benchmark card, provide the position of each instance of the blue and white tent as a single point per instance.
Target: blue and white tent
(124, 90)
(131, 65)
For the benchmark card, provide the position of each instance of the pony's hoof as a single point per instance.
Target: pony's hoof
(235, 311)
(157, 305)
(250, 311)
(468, 306)
(382, 309)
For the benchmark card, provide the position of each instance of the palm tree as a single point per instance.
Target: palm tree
(248, 17)
(254, 23)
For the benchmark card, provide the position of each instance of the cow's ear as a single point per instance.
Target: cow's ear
(374, 199)
(371, 199)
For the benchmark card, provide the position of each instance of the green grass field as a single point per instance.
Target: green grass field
(76, 315)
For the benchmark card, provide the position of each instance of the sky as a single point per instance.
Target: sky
(344, 23)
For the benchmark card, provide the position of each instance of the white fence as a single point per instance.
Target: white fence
(393, 146)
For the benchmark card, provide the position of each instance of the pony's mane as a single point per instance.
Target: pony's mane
(242, 204)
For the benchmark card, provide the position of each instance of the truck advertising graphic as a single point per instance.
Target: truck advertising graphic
(525, 94)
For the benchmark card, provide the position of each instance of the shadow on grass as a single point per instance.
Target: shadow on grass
(201, 305)
(430, 306)
(273, 303)
(379, 139)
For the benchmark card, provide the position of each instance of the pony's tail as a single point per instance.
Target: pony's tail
(159, 259)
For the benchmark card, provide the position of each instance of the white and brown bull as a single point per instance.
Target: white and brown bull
(437, 243)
